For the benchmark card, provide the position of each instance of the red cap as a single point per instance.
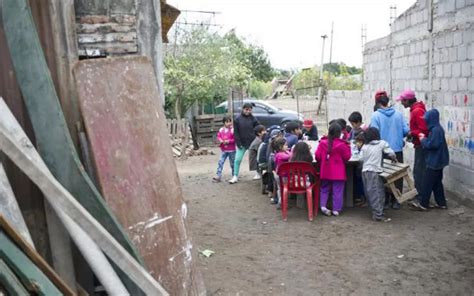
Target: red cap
(379, 94)
(307, 123)
(407, 94)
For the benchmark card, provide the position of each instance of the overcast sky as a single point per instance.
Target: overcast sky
(290, 30)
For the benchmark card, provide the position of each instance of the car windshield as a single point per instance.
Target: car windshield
(268, 106)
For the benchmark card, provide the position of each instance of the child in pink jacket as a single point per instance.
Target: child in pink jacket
(225, 137)
(332, 155)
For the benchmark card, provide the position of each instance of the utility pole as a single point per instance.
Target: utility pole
(393, 14)
(363, 36)
(321, 69)
(330, 50)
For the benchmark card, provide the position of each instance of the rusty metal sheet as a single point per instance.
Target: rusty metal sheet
(130, 145)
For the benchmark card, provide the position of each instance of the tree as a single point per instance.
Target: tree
(252, 56)
(201, 67)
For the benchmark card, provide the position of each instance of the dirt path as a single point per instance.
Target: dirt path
(256, 253)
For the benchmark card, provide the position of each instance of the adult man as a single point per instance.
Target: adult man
(244, 136)
(393, 128)
(417, 127)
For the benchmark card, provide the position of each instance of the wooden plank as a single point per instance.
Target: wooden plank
(30, 252)
(408, 195)
(10, 282)
(397, 164)
(9, 207)
(16, 145)
(126, 127)
(30, 275)
(52, 136)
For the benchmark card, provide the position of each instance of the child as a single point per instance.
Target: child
(344, 132)
(225, 137)
(301, 152)
(436, 157)
(372, 156)
(292, 133)
(282, 155)
(332, 155)
(260, 132)
(310, 131)
(355, 119)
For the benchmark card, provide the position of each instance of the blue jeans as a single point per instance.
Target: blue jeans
(220, 164)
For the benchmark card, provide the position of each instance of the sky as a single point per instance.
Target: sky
(290, 30)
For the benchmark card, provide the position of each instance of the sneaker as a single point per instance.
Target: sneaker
(416, 206)
(278, 206)
(325, 211)
(381, 219)
(335, 213)
(216, 179)
(257, 177)
(440, 207)
(273, 201)
(234, 180)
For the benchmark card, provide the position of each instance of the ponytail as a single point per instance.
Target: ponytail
(334, 132)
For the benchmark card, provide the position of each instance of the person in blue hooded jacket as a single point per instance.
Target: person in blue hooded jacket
(393, 128)
(436, 157)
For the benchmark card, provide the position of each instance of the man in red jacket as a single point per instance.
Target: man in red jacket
(417, 127)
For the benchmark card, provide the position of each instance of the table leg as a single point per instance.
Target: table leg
(349, 190)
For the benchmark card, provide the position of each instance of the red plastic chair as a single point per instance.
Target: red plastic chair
(295, 178)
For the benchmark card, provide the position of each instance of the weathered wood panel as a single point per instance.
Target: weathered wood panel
(135, 167)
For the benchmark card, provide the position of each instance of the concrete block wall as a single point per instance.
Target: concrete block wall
(439, 67)
(342, 103)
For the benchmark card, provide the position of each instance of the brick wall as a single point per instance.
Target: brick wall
(106, 27)
(439, 66)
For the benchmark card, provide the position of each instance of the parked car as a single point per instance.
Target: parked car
(266, 114)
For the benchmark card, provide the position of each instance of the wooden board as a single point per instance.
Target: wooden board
(130, 145)
(52, 136)
(16, 146)
(9, 207)
(9, 280)
(32, 255)
(28, 273)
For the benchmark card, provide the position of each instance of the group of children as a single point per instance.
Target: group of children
(274, 146)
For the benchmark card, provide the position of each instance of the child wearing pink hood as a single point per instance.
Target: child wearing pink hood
(332, 155)
(226, 140)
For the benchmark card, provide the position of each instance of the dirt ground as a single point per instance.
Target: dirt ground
(256, 253)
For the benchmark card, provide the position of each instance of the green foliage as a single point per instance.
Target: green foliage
(252, 56)
(341, 69)
(306, 78)
(203, 66)
(259, 89)
(337, 76)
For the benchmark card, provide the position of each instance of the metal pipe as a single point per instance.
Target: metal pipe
(93, 255)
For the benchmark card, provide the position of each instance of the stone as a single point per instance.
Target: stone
(460, 4)
(447, 70)
(462, 84)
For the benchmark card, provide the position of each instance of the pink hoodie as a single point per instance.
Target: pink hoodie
(226, 134)
(281, 157)
(334, 167)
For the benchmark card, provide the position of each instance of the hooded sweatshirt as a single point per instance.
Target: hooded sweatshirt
(243, 130)
(417, 123)
(434, 145)
(333, 166)
(392, 127)
(372, 155)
